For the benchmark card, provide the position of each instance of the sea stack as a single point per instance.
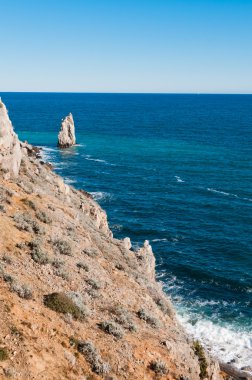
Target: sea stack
(10, 148)
(66, 136)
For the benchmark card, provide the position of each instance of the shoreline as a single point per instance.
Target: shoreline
(228, 368)
(68, 285)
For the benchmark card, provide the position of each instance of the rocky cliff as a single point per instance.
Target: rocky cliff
(10, 147)
(66, 136)
(75, 302)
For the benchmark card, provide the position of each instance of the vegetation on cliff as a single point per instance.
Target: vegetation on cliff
(85, 305)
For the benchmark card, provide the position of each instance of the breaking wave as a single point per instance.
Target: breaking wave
(101, 196)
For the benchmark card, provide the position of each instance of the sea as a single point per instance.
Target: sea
(174, 169)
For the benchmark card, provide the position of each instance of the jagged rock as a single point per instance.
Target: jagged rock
(99, 272)
(66, 136)
(127, 243)
(10, 149)
(147, 259)
(98, 216)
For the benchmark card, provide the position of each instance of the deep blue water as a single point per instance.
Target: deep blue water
(173, 169)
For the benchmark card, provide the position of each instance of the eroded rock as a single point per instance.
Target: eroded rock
(10, 149)
(66, 136)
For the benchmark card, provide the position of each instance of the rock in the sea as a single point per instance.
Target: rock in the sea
(66, 136)
(10, 149)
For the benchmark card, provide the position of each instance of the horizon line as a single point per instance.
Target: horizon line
(126, 93)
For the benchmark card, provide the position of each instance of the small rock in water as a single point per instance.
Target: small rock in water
(66, 136)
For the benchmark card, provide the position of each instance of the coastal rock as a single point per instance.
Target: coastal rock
(127, 243)
(98, 216)
(110, 314)
(10, 149)
(66, 136)
(147, 259)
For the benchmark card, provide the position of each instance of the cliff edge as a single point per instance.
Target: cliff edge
(10, 148)
(75, 302)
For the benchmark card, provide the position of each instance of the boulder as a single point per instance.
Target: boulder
(10, 148)
(66, 136)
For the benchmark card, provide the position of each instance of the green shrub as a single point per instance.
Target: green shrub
(164, 305)
(159, 367)
(39, 230)
(111, 328)
(61, 303)
(61, 272)
(91, 252)
(20, 245)
(2, 208)
(83, 266)
(94, 283)
(63, 247)
(24, 222)
(43, 217)
(29, 203)
(92, 356)
(57, 263)
(199, 351)
(37, 254)
(119, 266)
(7, 259)
(124, 318)
(22, 290)
(3, 354)
(147, 317)
(8, 278)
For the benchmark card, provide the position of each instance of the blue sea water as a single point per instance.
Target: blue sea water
(173, 169)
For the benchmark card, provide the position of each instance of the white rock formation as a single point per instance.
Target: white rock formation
(127, 243)
(66, 136)
(147, 259)
(10, 149)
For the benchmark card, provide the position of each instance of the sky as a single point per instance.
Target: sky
(189, 46)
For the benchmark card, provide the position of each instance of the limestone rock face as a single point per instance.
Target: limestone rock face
(127, 243)
(97, 215)
(147, 259)
(66, 136)
(42, 218)
(10, 149)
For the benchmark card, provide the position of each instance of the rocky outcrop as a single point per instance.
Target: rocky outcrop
(147, 259)
(75, 302)
(10, 149)
(66, 136)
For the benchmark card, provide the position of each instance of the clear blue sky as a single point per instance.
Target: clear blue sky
(126, 45)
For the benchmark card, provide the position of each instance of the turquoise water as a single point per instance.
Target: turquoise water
(173, 169)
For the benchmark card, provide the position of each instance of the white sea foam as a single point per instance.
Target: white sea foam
(47, 153)
(69, 181)
(221, 192)
(101, 196)
(95, 159)
(224, 342)
(228, 194)
(90, 158)
(156, 240)
(179, 179)
(47, 149)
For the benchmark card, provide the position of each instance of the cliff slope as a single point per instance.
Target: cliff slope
(75, 303)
